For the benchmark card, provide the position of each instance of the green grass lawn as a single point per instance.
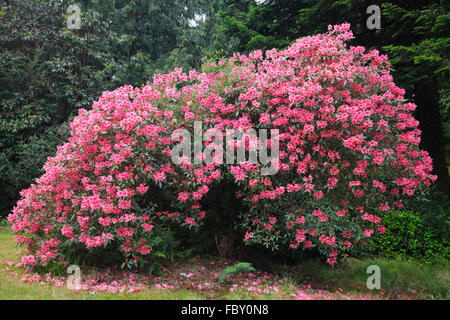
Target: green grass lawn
(399, 280)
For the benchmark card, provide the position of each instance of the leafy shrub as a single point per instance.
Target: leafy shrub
(4, 223)
(408, 236)
(348, 149)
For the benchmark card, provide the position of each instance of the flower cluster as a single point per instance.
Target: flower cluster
(348, 148)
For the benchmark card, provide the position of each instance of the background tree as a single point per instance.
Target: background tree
(46, 73)
(148, 32)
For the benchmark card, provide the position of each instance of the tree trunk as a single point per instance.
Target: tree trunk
(427, 113)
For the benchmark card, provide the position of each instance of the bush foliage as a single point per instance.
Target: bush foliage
(410, 235)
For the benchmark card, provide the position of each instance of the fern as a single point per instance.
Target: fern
(241, 267)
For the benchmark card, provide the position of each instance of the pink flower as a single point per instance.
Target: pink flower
(142, 188)
(368, 233)
(29, 260)
(147, 227)
(183, 196)
(189, 221)
(67, 231)
(318, 195)
(353, 142)
(159, 176)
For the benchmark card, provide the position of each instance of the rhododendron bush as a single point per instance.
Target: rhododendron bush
(348, 149)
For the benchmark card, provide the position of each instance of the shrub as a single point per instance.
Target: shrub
(408, 236)
(348, 149)
(4, 223)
